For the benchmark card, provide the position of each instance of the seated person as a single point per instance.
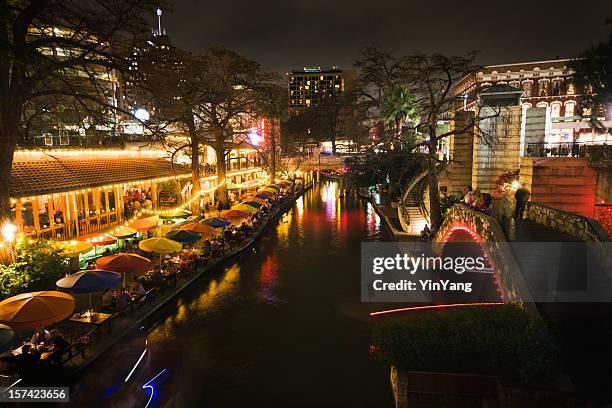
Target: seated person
(108, 301)
(40, 336)
(137, 289)
(123, 299)
(57, 340)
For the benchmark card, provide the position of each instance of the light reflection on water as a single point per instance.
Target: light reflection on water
(283, 318)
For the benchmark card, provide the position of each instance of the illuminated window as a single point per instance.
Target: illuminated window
(555, 110)
(543, 88)
(527, 89)
(569, 108)
(570, 89)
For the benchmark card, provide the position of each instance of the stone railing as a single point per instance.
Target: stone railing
(489, 233)
(583, 228)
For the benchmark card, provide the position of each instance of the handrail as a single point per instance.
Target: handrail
(584, 228)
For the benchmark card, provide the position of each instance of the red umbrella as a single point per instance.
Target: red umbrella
(232, 214)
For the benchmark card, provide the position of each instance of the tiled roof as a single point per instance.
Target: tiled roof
(31, 178)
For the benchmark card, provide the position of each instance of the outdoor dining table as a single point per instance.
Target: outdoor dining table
(99, 319)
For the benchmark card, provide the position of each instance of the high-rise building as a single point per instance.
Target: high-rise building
(309, 85)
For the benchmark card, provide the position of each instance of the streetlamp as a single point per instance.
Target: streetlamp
(142, 115)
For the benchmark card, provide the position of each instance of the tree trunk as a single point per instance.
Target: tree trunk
(221, 193)
(195, 167)
(434, 192)
(9, 126)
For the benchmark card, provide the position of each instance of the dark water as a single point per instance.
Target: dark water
(282, 326)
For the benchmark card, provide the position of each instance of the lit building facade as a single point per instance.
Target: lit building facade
(553, 113)
(307, 87)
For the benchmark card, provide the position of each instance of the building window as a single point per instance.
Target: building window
(543, 88)
(571, 90)
(557, 85)
(526, 89)
(542, 105)
(569, 108)
(555, 110)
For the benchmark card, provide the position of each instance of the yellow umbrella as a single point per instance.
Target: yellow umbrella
(270, 189)
(122, 232)
(73, 248)
(246, 208)
(36, 309)
(160, 245)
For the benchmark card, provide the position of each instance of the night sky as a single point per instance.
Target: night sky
(291, 34)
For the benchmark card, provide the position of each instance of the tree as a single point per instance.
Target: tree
(231, 82)
(58, 47)
(594, 74)
(396, 107)
(430, 78)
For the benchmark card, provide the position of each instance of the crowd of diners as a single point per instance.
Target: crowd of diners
(31, 356)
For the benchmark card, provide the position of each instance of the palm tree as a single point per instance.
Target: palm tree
(397, 107)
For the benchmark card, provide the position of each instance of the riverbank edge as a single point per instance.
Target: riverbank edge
(116, 337)
(395, 233)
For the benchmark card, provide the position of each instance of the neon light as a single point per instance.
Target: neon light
(151, 387)
(135, 365)
(405, 309)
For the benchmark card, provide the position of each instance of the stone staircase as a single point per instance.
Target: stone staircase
(409, 209)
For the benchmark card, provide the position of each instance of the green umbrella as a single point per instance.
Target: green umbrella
(185, 237)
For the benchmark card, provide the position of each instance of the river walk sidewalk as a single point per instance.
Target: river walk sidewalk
(137, 317)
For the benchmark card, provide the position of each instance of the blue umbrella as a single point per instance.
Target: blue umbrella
(252, 203)
(262, 196)
(216, 222)
(89, 281)
(185, 237)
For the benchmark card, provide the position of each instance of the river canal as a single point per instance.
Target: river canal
(280, 326)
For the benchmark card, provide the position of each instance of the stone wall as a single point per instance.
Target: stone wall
(458, 174)
(565, 183)
(501, 152)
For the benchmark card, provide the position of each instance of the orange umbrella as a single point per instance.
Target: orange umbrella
(98, 239)
(124, 263)
(198, 227)
(232, 214)
(36, 309)
(143, 224)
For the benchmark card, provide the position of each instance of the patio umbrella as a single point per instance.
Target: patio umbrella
(245, 208)
(264, 195)
(185, 237)
(176, 214)
(216, 222)
(73, 248)
(6, 335)
(89, 281)
(97, 239)
(199, 228)
(160, 245)
(253, 204)
(274, 186)
(285, 182)
(270, 189)
(257, 200)
(234, 214)
(36, 309)
(143, 224)
(123, 232)
(124, 263)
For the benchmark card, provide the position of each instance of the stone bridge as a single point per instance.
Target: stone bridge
(539, 224)
(314, 163)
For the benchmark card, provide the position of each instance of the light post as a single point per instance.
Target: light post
(142, 115)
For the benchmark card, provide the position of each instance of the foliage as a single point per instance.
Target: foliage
(447, 201)
(504, 181)
(504, 341)
(38, 267)
(594, 74)
(397, 106)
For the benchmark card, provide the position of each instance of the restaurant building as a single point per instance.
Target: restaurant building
(65, 194)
